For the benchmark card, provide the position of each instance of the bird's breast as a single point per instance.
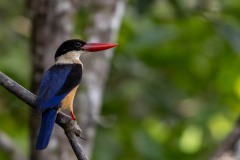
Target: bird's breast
(67, 102)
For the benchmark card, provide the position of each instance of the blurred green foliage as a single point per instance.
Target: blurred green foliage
(15, 62)
(174, 87)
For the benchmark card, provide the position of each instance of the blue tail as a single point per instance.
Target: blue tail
(48, 120)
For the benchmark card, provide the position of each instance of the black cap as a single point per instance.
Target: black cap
(69, 45)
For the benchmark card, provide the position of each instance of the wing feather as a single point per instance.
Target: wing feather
(53, 86)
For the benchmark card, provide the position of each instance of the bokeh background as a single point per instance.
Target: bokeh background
(174, 86)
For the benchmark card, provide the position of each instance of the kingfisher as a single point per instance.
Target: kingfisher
(60, 82)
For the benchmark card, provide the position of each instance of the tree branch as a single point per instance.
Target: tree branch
(72, 130)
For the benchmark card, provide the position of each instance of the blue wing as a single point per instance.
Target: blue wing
(57, 82)
(52, 82)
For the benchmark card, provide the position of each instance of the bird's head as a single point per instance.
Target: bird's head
(75, 47)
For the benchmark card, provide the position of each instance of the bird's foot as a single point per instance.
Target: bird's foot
(73, 117)
(74, 127)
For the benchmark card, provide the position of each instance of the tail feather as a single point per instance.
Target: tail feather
(48, 120)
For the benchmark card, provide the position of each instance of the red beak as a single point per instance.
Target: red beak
(94, 47)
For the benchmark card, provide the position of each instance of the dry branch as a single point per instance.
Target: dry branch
(70, 127)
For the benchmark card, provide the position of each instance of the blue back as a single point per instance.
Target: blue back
(52, 82)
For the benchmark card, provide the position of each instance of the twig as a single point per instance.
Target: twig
(72, 138)
(70, 127)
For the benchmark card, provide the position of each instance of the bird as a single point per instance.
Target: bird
(60, 82)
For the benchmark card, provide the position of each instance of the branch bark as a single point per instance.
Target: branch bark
(70, 127)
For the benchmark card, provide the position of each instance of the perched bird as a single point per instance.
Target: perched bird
(60, 82)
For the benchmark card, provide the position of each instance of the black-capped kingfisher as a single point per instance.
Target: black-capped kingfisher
(60, 82)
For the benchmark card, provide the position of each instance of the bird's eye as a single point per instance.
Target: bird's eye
(77, 44)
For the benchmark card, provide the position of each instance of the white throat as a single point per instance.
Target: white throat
(69, 58)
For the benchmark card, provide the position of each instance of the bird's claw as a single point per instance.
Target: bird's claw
(74, 127)
(78, 131)
(73, 117)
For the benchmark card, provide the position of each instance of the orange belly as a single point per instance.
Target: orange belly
(67, 102)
